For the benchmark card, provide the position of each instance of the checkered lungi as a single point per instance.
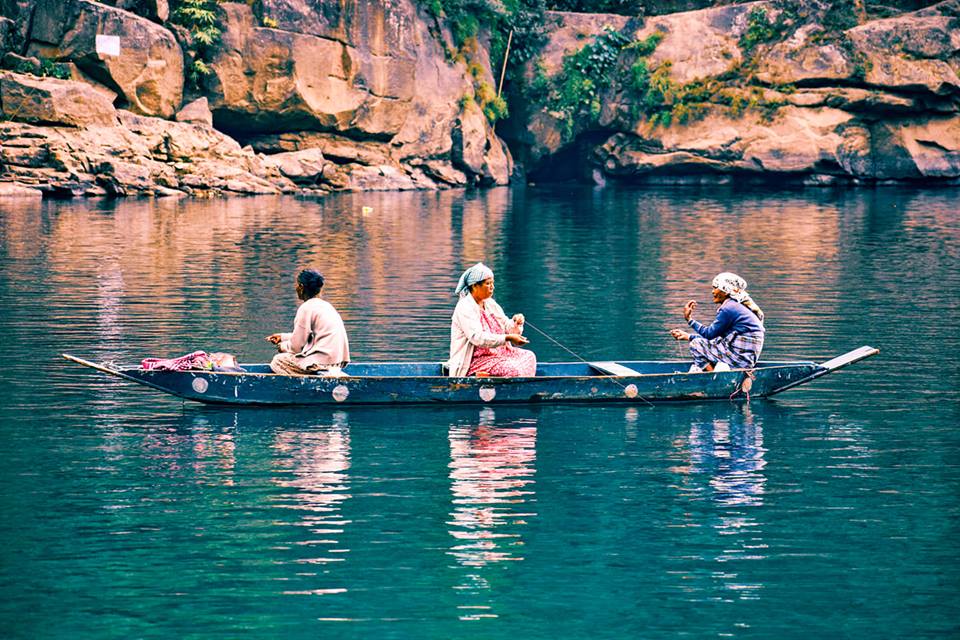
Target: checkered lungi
(740, 351)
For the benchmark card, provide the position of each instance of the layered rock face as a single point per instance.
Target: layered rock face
(313, 96)
(145, 66)
(78, 144)
(334, 95)
(367, 72)
(881, 101)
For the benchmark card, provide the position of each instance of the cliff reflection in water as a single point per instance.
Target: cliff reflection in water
(165, 277)
(212, 270)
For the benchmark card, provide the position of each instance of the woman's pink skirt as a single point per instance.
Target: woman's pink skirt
(506, 361)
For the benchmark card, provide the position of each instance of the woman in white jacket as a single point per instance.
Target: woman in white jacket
(483, 341)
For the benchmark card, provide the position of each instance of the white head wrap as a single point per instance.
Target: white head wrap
(732, 285)
(477, 273)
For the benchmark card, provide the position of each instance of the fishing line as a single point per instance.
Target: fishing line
(571, 352)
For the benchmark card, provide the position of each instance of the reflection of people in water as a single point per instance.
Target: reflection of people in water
(317, 462)
(492, 473)
(727, 452)
(731, 450)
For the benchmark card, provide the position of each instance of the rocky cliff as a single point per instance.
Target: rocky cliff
(750, 92)
(355, 96)
(312, 96)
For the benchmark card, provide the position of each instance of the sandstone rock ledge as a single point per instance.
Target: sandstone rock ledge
(69, 141)
(362, 96)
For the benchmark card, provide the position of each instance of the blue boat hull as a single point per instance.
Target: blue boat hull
(422, 383)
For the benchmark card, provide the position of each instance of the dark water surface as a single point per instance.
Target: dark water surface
(832, 511)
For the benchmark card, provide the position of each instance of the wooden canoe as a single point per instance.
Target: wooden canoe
(636, 382)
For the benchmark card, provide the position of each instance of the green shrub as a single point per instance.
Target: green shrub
(647, 46)
(640, 76)
(200, 68)
(738, 105)
(485, 93)
(496, 109)
(538, 89)
(202, 19)
(475, 70)
(586, 75)
(435, 7)
(760, 30)
(54, 69)
(48, 69)
(840, 16)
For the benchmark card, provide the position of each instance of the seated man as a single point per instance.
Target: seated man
(735, 338)
(318, 343)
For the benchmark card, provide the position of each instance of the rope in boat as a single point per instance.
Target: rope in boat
(575, 355)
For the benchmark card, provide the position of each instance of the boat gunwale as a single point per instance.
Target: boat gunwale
(133, 373)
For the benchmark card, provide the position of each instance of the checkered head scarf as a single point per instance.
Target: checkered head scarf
(477, 273)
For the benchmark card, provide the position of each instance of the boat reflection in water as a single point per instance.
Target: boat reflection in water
(491, 469)
(314, 465)
(728, 453)
(214, 458)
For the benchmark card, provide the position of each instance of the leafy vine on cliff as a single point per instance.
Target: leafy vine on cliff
(574, 96)
(203, 20)
(522, 18)
(575, 93)
(662, 101)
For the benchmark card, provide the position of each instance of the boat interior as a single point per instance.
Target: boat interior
(544, 369)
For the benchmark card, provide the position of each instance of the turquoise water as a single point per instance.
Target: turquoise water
(831, 511)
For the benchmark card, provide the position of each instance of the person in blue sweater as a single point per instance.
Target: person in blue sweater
(735, 338)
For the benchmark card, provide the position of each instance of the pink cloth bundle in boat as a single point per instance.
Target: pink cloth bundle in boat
(191, 361)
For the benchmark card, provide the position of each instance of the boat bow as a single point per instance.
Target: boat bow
(830, 366)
